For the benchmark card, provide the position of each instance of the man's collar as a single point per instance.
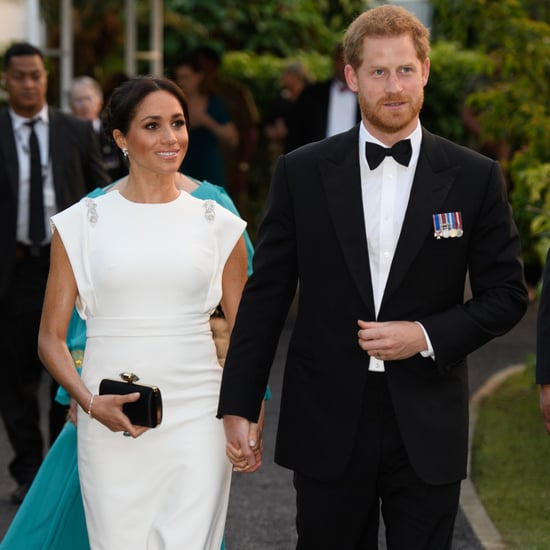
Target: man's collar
(19, 120)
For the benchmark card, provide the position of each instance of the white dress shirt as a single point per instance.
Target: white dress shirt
(342, 108)
(22, 133)
(385, 191)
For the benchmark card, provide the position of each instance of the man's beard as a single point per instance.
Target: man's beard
(384, 121)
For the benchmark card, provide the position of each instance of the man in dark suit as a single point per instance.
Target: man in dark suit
(323, 109)
(374, 407)
(48, 161)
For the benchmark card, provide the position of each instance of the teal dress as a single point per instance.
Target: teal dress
(52, 515)
(204, 160)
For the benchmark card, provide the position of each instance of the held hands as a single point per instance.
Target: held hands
(392, 340)
(244, 442)
(107, 409)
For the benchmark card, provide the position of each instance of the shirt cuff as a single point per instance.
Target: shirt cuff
(430, 351)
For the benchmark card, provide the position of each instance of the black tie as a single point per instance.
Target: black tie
(36, 199)
(401, 152)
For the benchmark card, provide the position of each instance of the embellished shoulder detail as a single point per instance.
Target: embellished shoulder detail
(209, 212)
(92, 211)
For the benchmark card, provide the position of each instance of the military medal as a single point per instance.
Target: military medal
(453, 230)
(445, 232)
(459, 230)
(447, 225)
(437, 226)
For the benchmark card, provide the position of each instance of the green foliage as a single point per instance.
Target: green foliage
(473, 23)
(261, 72)
(452, 74)
(531, 200)
(278, 27)
(512, 106)
(510, 463)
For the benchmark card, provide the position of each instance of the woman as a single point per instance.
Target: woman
(210, 125)
(148, 264)
(52, 514)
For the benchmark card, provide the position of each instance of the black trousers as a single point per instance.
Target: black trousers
(22, 370)
(345, 513)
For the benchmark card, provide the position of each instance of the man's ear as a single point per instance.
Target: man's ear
(351, 78)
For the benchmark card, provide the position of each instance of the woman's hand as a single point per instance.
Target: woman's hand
(72, 412)
(255, 443)
(107, 409)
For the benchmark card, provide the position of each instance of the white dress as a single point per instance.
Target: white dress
(149, 276)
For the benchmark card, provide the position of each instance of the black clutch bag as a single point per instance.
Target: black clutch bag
(147, 410)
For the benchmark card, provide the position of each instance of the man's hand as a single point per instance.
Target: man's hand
(392, 340)
(243, 444)
(545, 405)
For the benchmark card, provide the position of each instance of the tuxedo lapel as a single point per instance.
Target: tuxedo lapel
(432, 181)
(7, 143)
(342, 183)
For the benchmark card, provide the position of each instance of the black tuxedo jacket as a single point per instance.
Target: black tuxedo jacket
(77, 169)
(313, 234)
(308, 118)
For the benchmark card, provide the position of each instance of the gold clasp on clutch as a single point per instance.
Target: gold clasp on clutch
(129, 377)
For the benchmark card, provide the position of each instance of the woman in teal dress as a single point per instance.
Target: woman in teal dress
(51, 516)
(210, 125)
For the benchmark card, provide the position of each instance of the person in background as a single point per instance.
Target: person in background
(543, 345)
(324, 108)
(112, 82)
(86, 101)
(48, 161)
(209, 122)
(379, 226)
(294, 79)
(148, 264)
(243, 112)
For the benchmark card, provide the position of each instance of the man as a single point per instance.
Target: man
(324, 108)
(294, 79)
(86, 99)
(374, 406)
(48, 160)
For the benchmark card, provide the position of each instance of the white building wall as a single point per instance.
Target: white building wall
(12, 21)
(20, 21)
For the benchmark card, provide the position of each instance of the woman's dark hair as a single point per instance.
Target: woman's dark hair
(125, 100)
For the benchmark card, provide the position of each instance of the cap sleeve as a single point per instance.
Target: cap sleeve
(73, 226)
(227, 230)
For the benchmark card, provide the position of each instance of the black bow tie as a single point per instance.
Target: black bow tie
(401, 152)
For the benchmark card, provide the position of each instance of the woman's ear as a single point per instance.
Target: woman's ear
(119, 139)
